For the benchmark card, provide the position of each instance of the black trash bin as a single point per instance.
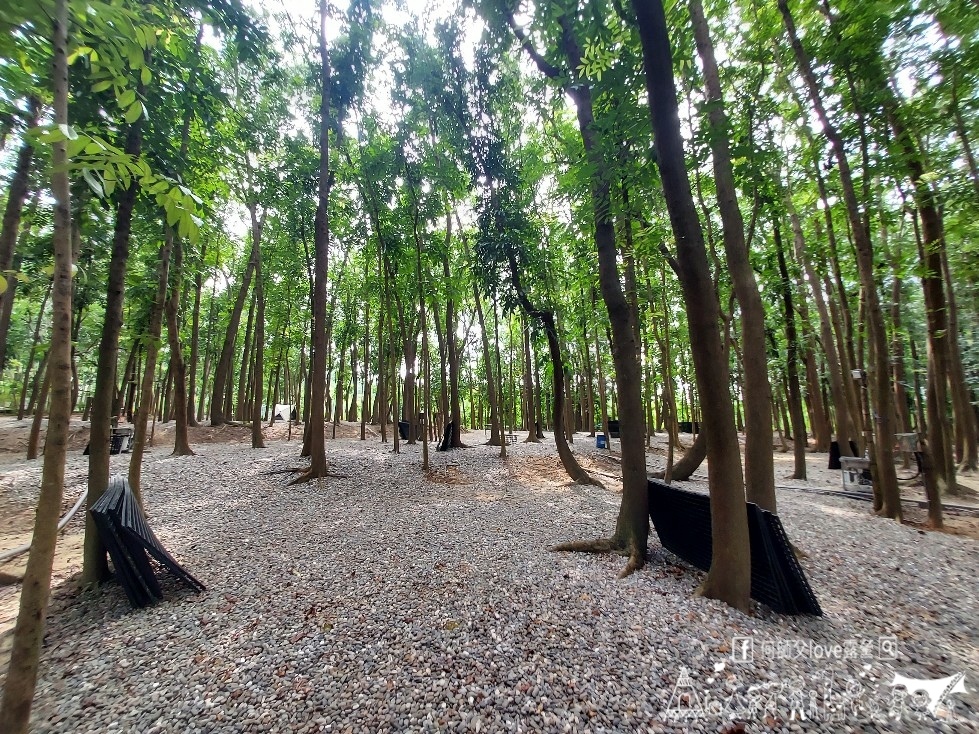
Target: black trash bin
(613, 429)
(403, 429)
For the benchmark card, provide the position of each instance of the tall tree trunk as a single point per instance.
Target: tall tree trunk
(222, 370)
(33, 351)
(939, 428)
(95, 566)
(879, 378)
(836, 386)
(258, 372)
(17, 195)
(242, 409)
(530, 416)
(496, 434)
(183, 401)
(799, 440)
(966, 424)
(18, 691)
(546, 319)
(41, 405)
(317, 397)
(759, 467)
(152, 341)
(897, 346)
(729, 577)
(632, 526)
(499, 377)
(195, 332)
(452, 347)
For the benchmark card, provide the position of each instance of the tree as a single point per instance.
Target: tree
(729, 578)
(18, 692)
(317, 415)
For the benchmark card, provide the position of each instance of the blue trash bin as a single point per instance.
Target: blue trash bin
(600, 441)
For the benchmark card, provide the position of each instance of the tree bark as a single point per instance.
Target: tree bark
(17, 195)
(729, 577)
(545, 318)
(496, 433)
(321, 247)
(799, 440)
(95, 567)
(530, 413)
(18, 692)
(182, 400)
(759, 467)
(879, 378)
(222, 370)
(152, 341)
(258, 371)
(838, 391)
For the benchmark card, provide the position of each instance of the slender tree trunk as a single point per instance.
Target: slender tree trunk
(879, 378)
(222, 370)
(18, 692)
(939, 429)
(496, 434)
(42, 403)
(152, 341)
(897, 347)
(966, 424)
(836, 385)
(729, 578)
(499, 376)
(317, 414)
(426, 410)
(183, 401)
(759, 468)
(528, 386)
(258, 372)
(95, 566)
(799, 441)
(241, 408)
(33, 351)
(17, 195)
(195, 331)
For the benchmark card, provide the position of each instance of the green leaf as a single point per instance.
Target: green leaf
(3, 284)
(134, 111)
(68, 131)
(127, 98)
(102, 86)
(145, 75)
(93, 182)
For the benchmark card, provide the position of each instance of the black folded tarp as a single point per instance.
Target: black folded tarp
(682, 522)
(130, 542)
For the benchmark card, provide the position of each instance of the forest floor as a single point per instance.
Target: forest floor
(395, 600)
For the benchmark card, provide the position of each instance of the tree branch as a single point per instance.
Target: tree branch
(546, 67)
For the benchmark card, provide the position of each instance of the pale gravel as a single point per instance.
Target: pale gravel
(386, 602)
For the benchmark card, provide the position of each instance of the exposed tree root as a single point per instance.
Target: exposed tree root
(637, 555)
(603, 545)
(637, 559)
(309, 476)
(709, 590)
(291, 470)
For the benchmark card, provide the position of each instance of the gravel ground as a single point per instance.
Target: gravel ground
(392, 601)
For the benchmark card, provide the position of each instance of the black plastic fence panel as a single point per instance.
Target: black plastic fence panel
(131, 545)
(682, 522)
